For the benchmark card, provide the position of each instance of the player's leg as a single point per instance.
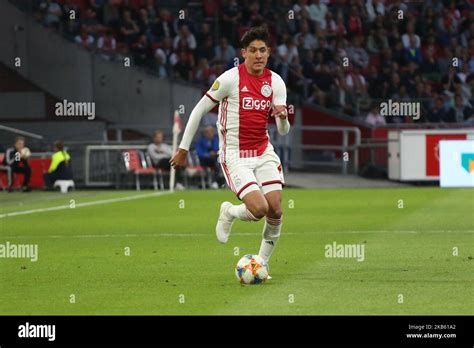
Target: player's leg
(273, 223)
(242, 181)
(270, 176)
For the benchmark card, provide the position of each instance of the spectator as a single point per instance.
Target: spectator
(160, 154)
(142, 51)
(184, 62)
(184, 19)
(164, 53)
(464, 73)
(224, 52)
(202, 72)
(431, 47)
(145, 25)
(354, 22)
(309, 41)
(51, 12)
(317, 12)
(129, 28)
(340, 26)
(329, 26)
(301, 9)
(287, 52)
(231, 16)
(342, 96)
(462, 112)
(207, 148)
(186, 36)
(84, 39)
(16, 158)
(107, 45)
(357, 53)
(410, 77)
(253, 16)
(377, 41)
(92, 24)
(409, 36)
(375, 82)
(374, 8)
(429, 66)
(324, 81)
(71, 19)
(428, 102)
(374, 118)
(111, 15)
(60, 167)
(467, 35)
(204, 33)
(206, 49)
(164, 27)
(441, 112)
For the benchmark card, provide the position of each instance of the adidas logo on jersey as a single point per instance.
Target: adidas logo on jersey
(244, 89)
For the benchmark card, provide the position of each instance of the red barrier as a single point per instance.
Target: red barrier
(38, 167)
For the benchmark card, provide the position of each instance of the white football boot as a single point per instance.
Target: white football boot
(224, 223)
(268, 269)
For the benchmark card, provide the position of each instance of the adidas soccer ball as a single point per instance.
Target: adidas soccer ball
(251, 269)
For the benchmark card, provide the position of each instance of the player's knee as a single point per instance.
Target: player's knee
(259, 211)
(275, 212)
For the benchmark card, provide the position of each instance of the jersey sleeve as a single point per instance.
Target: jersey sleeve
(279, 90)
(220, 88)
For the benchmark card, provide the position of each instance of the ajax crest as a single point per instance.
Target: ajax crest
(266, 90)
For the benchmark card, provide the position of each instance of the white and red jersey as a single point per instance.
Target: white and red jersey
(245, 103)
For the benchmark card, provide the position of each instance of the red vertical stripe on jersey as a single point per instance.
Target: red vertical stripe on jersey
(255, 101)
(225, 104)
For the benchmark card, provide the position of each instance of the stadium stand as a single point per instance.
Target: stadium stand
(403, 59)
(407, 51)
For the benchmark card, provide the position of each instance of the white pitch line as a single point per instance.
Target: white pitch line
(85, 204)
(153, 235)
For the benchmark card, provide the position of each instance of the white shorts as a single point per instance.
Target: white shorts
(244, 175)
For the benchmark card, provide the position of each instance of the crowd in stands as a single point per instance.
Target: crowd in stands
(346, 55)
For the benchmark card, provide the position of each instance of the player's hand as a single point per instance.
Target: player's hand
(279, 111)
(179, 158)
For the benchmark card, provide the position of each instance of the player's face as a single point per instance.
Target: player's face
(256, 56)
(20, 144)
(158, 138)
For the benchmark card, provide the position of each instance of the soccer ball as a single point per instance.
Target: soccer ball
(251, 269)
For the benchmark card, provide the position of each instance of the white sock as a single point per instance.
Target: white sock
(241, 212)
(271, 233)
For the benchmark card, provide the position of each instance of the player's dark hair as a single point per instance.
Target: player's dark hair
(255, 33)
(59, 145)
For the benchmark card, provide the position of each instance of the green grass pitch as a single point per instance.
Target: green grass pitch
(177, 267)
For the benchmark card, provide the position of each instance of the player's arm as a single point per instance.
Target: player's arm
(203, 107)
(217, 92)
(279, 110)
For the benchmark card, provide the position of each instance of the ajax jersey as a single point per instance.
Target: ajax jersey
(245, 104)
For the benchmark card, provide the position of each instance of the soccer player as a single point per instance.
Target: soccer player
(247, 94)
